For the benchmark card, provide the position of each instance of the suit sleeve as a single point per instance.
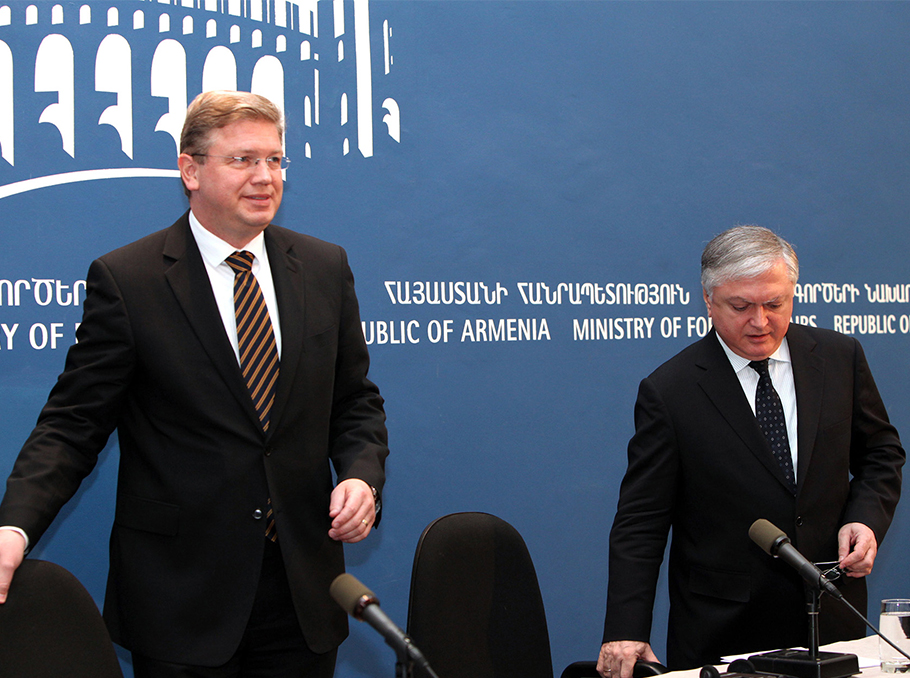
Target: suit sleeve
(359, 441)
(80, 414)
(642, 522)
(876, 455)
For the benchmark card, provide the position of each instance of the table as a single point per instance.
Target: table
(866, 650)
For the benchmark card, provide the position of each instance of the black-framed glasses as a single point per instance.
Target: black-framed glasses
(831, 570)
(246, 162)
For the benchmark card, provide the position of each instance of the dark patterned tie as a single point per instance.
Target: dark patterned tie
(770, 415)
(258, 350)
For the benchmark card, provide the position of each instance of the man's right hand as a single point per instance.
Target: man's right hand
(12, 552)
(619, 656)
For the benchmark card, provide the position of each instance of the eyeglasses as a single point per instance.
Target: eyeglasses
(831, 571)
(245, 162)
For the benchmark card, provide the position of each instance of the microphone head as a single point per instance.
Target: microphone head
(351, 595)
(767, 536)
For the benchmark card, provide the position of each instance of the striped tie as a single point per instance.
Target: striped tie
(258, 351)
(256, 340)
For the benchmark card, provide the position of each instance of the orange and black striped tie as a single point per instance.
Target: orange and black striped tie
(256, 341)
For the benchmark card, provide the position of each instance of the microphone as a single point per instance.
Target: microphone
(362, 604)
(776, 543)
(813, 664)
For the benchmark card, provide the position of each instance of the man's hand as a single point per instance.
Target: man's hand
(618, 657)
(352, 511)
(12, 551)
(856, 549)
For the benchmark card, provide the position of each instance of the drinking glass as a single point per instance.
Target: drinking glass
(895, 625)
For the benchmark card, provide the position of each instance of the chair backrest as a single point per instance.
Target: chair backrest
(475, 609)
(50, 627)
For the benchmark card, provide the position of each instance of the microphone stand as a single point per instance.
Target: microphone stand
(809, 663)
(404, 666)
(813, 603)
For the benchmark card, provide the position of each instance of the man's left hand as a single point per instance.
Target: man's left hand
(856, 549)
(352, 511)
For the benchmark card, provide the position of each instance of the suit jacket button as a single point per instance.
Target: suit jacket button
(268, 452)
(799, 521)
(257, 514)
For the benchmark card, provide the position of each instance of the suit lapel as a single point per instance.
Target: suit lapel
(722, 387)
(289, 279)
(187, 277)
(809, 377)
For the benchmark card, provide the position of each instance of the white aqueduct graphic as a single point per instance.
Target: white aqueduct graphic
(277, 36)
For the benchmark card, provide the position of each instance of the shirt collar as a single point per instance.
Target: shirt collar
(214, 250)
(782, 354)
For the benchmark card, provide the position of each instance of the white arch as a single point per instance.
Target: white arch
(113, 73)
(338, 17)
(392, 119)
(7, 120)
(268, 80)
(169, 81)
(219, 70)
(54, 73)
(256, 10)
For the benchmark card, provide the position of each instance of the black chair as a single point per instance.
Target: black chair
(642, 669)
(475, 609)
(50, 627)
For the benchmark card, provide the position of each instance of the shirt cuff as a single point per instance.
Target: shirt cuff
(20, 531)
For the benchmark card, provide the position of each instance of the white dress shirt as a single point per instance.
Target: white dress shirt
(781, 370)
(214, 251)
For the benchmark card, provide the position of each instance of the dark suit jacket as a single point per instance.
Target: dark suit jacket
(699, 464)
(154, 362)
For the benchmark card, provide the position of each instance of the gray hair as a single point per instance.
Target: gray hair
(744, 252)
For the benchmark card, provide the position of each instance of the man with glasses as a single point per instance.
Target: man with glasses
(228, 354)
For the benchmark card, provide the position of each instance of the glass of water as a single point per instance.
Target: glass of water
(895, 625)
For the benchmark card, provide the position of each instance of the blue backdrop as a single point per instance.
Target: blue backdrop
(524, 189)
